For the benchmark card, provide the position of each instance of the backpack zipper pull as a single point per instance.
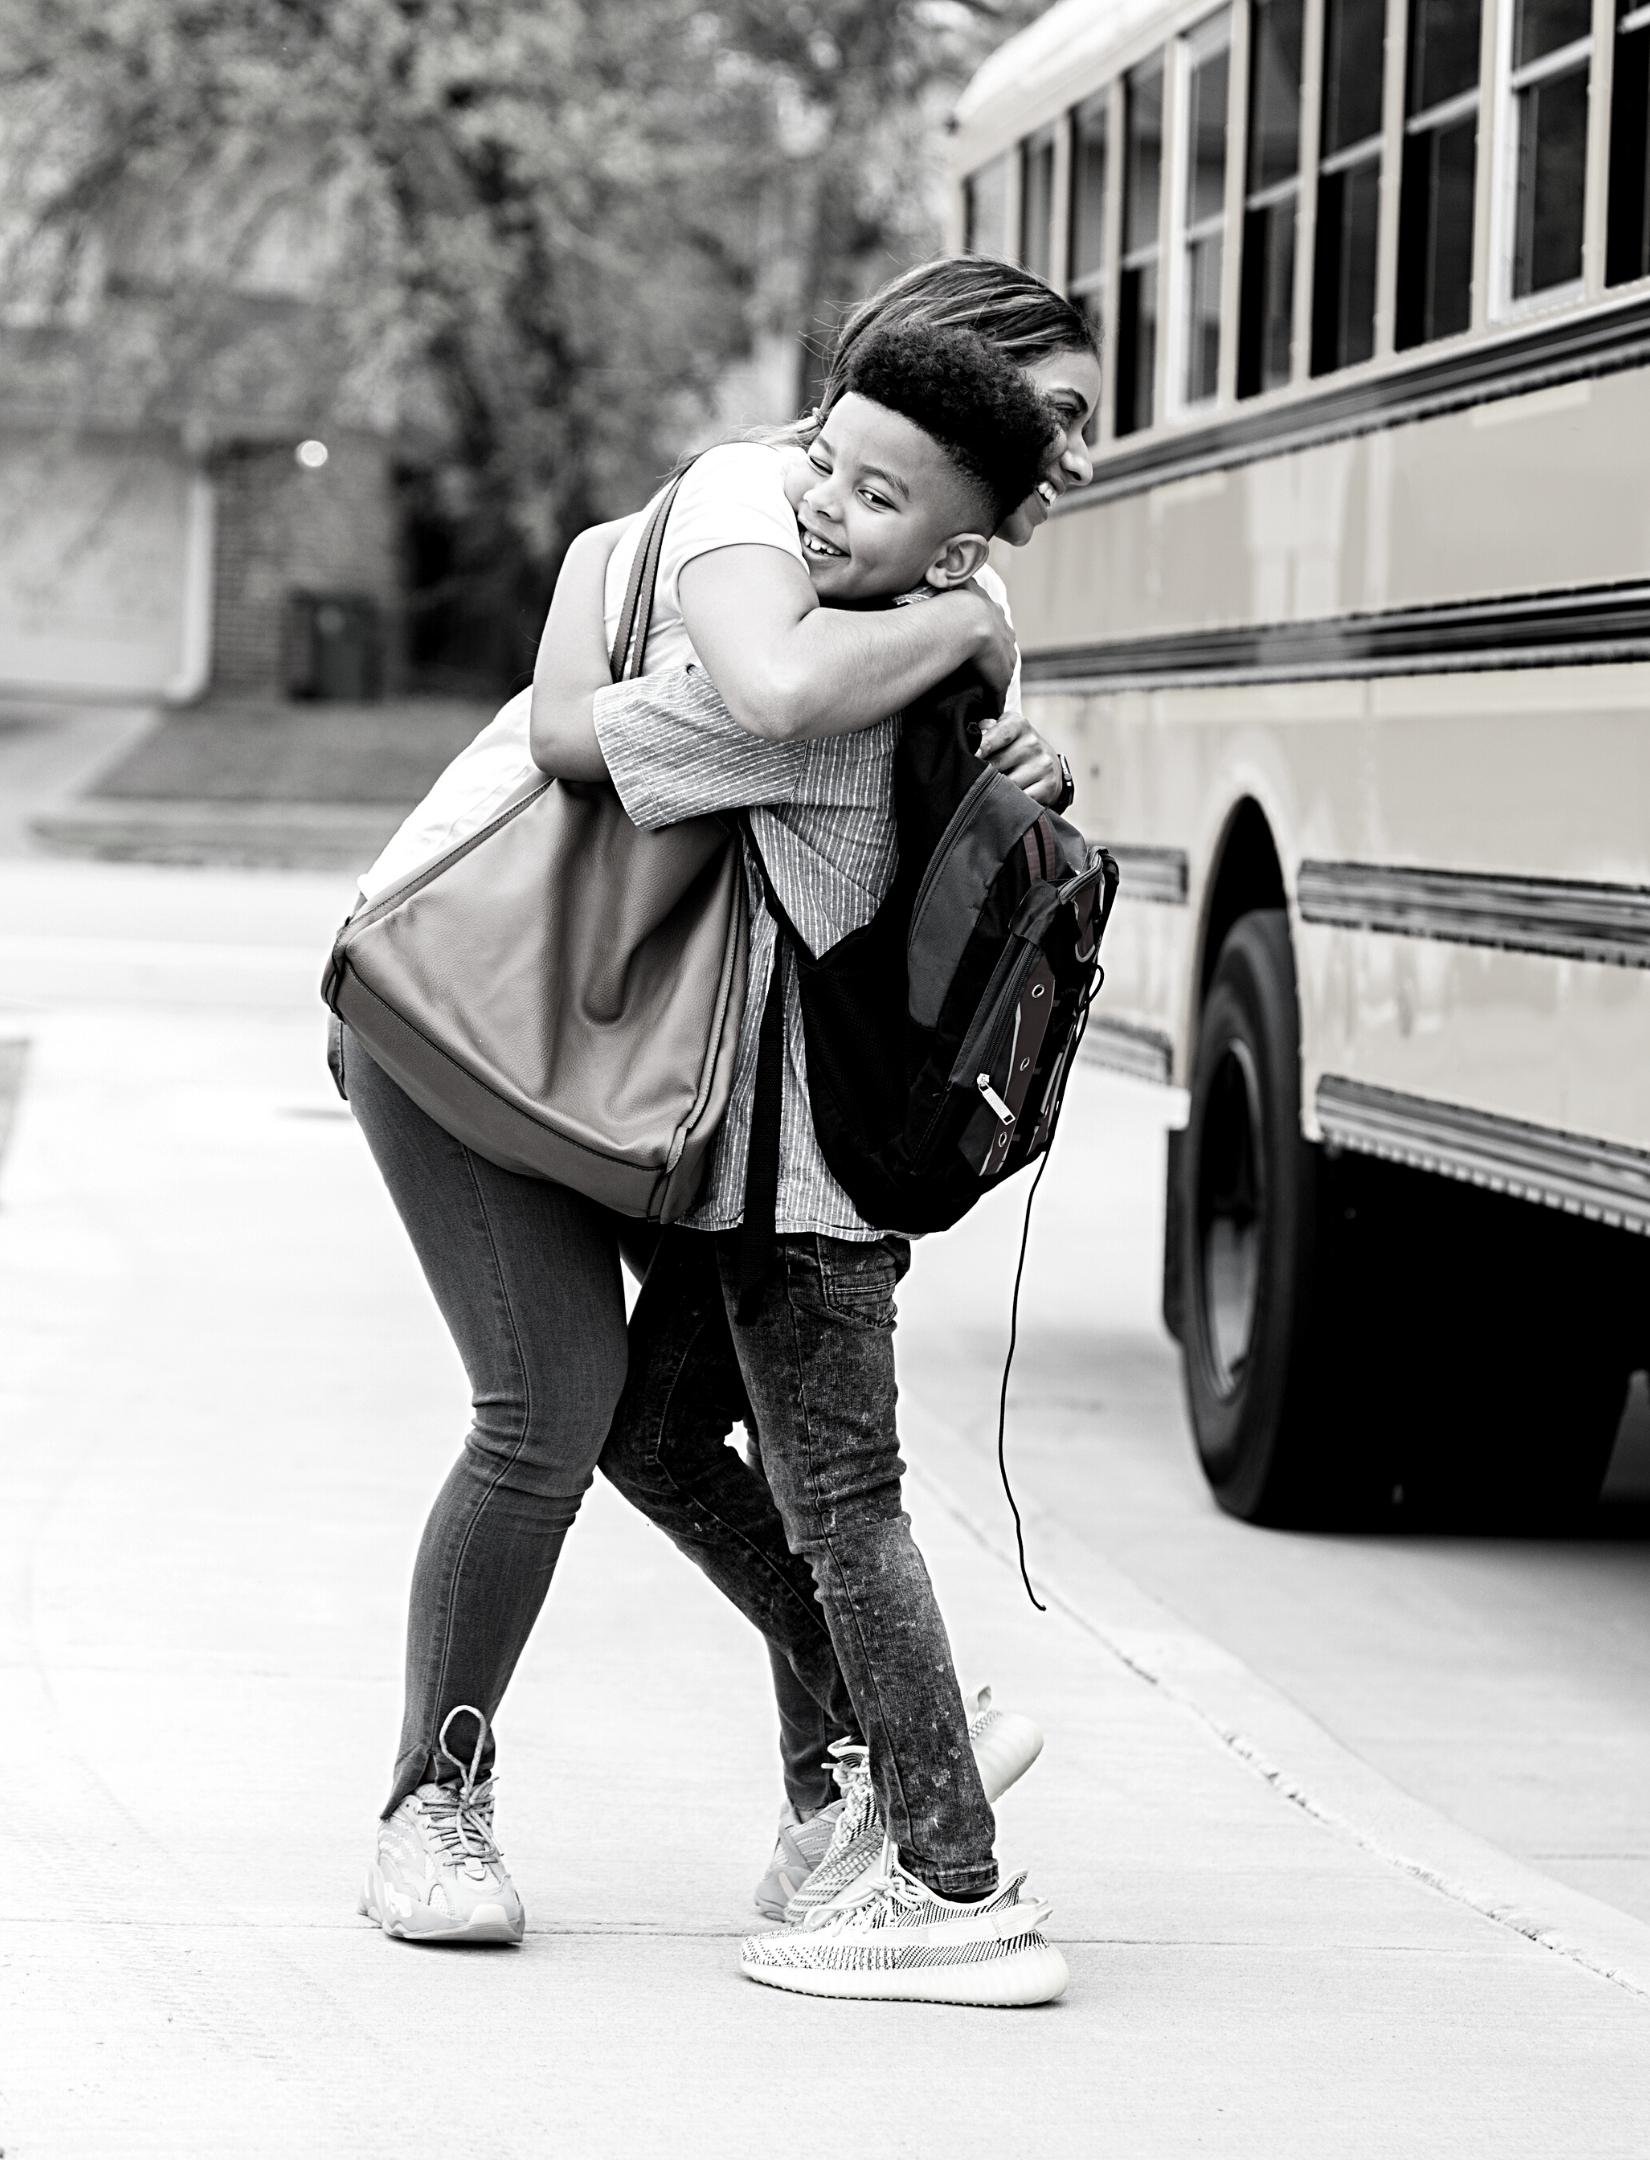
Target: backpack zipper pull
(999, 1108)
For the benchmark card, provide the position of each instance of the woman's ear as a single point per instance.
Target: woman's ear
(962, 555)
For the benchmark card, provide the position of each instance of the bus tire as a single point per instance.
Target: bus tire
(1368, 1345)
(1248, 1241)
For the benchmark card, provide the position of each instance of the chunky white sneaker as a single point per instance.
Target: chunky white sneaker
(1005, 1745)
(895, 1940)
(438, 1875)
(801, 1847)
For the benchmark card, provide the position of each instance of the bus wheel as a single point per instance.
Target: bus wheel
(1247, 1241)
(1365, 1344)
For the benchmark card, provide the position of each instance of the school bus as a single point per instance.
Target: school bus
(1349, 645)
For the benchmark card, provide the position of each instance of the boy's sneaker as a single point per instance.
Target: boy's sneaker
(857, 1835)
(1005, 1745)
(895, 1940)
(437, 1875)
(801, 1847)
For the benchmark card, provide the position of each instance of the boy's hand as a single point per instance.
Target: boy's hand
(1020, 754)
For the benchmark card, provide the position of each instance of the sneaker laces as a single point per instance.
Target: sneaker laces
(852, 1772)
(461, 1820)
(1008, 1912)
(887, 1882)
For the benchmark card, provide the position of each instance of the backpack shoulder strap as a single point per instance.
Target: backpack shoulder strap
(758, 1229)
(770, 892)
(758, 1226)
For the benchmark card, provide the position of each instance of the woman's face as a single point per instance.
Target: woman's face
(1070, 381)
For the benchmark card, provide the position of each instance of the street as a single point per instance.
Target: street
(1346, 1838)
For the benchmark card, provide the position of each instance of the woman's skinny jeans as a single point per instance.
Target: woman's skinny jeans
(526, 1274)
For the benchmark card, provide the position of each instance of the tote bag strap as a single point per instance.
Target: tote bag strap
(636, 616)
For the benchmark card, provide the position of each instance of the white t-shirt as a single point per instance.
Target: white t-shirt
(732, 496)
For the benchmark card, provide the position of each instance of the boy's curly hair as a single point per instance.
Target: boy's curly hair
(972, 400)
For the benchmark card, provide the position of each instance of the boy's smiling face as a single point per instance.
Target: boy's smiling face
(884, 507)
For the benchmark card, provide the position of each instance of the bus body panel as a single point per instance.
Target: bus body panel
(1560, 1044)
(1526, 494)
(1544, 773)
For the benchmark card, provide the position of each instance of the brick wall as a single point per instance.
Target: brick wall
(280, 527)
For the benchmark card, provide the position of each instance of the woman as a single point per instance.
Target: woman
(526, 1273)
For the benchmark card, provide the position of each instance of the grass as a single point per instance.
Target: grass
(254, 752)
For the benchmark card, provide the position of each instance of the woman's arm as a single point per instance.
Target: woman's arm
(790, 670)
(787, 669)
(1011, 743)
(572, 661)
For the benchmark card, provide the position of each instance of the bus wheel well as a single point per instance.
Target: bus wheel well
(1248, 875)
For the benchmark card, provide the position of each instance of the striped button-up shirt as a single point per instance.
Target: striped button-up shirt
(823, 815)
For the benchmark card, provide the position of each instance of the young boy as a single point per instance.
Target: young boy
(932, 443)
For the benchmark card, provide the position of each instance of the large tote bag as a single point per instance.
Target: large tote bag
(561, 991)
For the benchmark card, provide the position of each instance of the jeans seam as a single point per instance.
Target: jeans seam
(510, 1461)
(837, 1569)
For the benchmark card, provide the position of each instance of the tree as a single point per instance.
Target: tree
(526, 234)
(861, 90)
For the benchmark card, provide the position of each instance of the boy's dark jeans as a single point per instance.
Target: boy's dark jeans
(815, 1548)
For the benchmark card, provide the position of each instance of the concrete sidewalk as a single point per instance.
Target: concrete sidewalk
(259, 783)
(225, 1401)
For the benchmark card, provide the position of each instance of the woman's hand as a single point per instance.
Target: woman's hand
(1020, 754)
(572, 662)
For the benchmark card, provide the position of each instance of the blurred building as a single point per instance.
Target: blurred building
(192, 498)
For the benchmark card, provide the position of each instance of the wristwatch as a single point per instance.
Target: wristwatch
(1068, 786)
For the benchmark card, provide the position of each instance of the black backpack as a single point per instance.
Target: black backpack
(940, 1035)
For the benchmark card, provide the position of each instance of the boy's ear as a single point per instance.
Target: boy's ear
(962, 555)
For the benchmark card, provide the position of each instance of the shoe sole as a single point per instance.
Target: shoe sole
(1033, 1975)
(489, 1926)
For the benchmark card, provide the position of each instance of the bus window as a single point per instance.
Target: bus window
(1266, 307)
(1552, 54)
(1086, 248)
(1435, 218)
(985, 210)
(1627, 249)
(1037, 203)
(1208, 81)
(1349, 185)
(1137, 305)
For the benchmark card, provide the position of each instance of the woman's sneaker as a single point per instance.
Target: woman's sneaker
(437, 1875)
(1005, 1745)
(895, 1940)
(801, 1847)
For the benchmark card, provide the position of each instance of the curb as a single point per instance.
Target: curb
(1303, 1763)
(276, 836)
